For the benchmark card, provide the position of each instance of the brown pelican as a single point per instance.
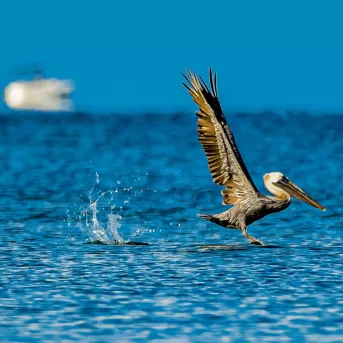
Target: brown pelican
(228, 169)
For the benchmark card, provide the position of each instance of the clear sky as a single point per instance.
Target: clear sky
(128, 54)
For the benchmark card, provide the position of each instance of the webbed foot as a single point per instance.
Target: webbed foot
(252, 239)
(256, 241)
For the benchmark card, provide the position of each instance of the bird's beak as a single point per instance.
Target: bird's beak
(297, 192)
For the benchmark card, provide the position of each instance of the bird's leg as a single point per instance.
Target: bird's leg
(252, 239)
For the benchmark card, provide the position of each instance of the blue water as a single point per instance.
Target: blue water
(68, 181)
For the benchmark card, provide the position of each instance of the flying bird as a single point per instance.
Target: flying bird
(228, 169)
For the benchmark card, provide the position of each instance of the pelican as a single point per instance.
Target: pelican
(228, 169)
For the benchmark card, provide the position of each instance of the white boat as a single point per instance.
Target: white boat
(40, 94)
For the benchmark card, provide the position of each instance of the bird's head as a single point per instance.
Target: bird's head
(283, 188)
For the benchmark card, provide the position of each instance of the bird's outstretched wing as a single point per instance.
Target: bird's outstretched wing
(224, 159)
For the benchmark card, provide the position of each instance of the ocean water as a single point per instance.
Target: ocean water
(76, 189)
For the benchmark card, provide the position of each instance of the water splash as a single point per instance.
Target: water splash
(99, 217)
(101, 230)
(97, 232)
(99, 220)
(113, 225)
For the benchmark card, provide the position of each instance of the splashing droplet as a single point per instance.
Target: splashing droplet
(113, 225)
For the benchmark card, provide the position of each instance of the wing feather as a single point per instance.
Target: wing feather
(224, 159)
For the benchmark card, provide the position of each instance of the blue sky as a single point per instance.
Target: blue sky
(127, 55)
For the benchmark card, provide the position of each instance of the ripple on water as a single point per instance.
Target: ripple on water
(119, 179)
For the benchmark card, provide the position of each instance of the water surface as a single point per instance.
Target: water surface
(68, 182)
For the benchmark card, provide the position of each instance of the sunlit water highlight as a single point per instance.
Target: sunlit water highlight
(71, 180)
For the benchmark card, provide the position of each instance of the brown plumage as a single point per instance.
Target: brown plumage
(228, 169)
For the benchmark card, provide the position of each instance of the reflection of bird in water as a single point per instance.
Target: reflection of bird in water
(228, 169)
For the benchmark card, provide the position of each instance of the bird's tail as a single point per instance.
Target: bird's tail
(208, 217)
(218, 219)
